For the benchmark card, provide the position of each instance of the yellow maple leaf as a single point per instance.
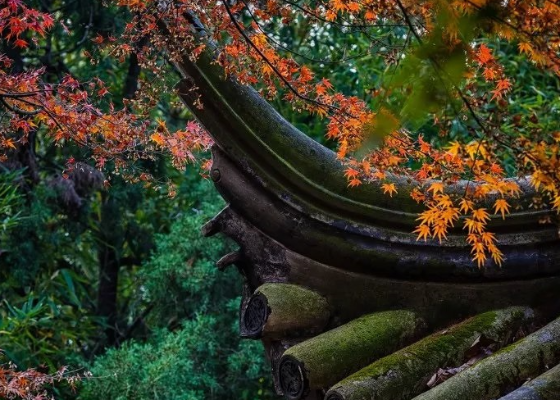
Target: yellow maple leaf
(417, 195)
(473, 226)
(465, 206)
(501, 206)
(161, 126)
(440, 231)
(488, 238)
(476, 149)
(496, 254)
(9, 143)
(454, 148)
(481, 215)
(428, 216)
(449, 215)
(423, 232)
(556, 203)
(436, 187)
(443, 201)
(525, 47)
(480, 258)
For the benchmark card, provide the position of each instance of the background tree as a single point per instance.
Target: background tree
(195, 351)
(440, 71)
(76, 241)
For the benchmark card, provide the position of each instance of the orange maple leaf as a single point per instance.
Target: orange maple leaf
(484, 54)
(351, 173)
(354, 182)
(22, 44)
(389, 188)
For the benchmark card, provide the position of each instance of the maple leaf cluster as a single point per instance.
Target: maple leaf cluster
(16, 19)
(32, 384)
(69, 110)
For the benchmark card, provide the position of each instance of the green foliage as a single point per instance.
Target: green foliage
(194, 351)
(45, 311)
(202, 360)
(173, 309)
(10, 200)
(50, 261)
(183, 266)
(39, 330)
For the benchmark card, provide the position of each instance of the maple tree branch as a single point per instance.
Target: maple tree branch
(14, 95)
(464, 99)
(358, 28)
(276, 71)
(18, 110)
(319, 18)
(440, 69)
(78, 45)
(530, 36)
(409, 21)
(291, 51)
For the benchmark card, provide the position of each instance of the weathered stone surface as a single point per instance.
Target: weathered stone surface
(405, 373)
(439, 303)
(503, 371)
(282, 310)
(543, 387)
(304, 178)
(321, 361)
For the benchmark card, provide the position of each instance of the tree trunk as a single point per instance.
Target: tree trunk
(109, 240)
(107, 293)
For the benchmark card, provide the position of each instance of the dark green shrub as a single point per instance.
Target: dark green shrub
(194, 351)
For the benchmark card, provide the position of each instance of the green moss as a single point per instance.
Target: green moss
(334, 354)
(294, 311)
(504, 370)
(400, 374)
(293, 299)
